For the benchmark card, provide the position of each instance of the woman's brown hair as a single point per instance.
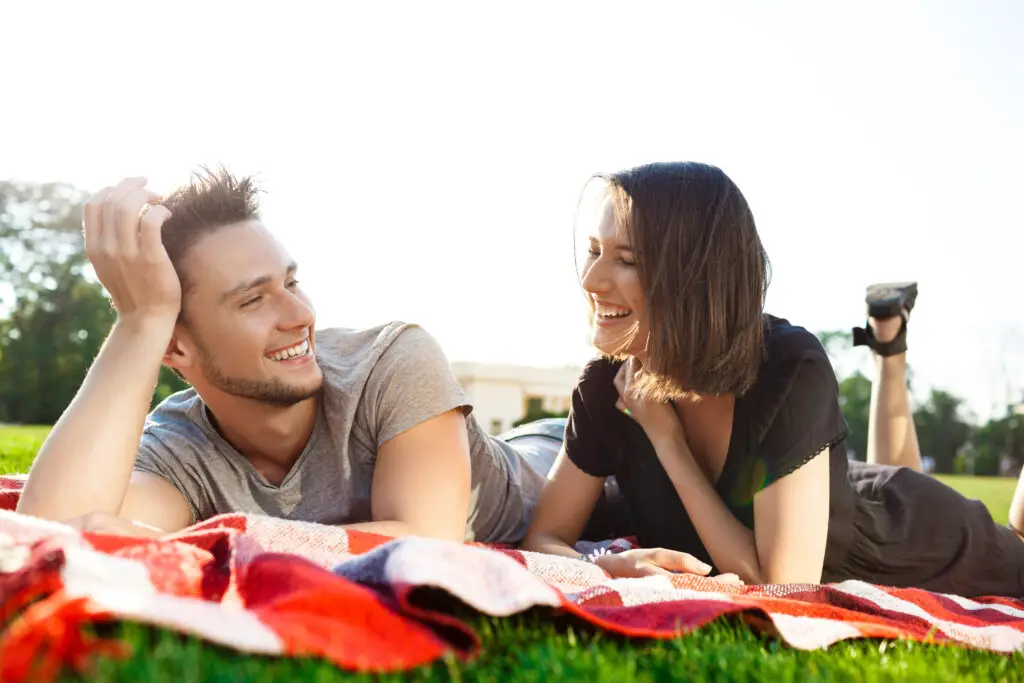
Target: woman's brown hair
(704, 274)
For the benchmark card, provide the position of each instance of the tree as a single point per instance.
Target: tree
(46, 346)
(855, 401)
(941, 430)
(992, 441)
(56, 315)
(854, 392)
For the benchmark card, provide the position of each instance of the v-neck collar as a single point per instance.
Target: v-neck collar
(232, 453)
(727, 477)
(733, 459)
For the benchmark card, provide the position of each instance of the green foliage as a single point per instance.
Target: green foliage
(941, 428)
(943, 431)
(58, 318)
(167, 383)
(855, 401)
(992, 441)
(835, 342)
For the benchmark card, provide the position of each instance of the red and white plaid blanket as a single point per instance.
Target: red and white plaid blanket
(268, 586)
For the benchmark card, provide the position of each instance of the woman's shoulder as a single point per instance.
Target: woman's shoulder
(595, 386)
(796, 366)
(793, 411)
(786, 343)
(598, 374)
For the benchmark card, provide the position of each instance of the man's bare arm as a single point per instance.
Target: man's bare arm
(421, 482)
(85, 465)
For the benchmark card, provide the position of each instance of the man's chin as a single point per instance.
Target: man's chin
(274, 393)
(306, 391)
(287, 400)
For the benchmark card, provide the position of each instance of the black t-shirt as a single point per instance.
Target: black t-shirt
(791, 414)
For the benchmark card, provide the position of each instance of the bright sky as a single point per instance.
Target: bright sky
(424, 160)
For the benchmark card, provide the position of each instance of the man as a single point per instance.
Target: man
(363, 428)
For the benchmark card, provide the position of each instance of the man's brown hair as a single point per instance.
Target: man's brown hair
(212, 200)
(704, 275)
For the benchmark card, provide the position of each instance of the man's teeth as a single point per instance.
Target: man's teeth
(292, 352)
(612, 312)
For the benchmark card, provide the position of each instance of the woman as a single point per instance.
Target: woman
(721, 424)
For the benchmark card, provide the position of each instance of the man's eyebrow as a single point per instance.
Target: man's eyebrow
(254, 283)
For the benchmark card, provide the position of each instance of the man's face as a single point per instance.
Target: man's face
(248, 329)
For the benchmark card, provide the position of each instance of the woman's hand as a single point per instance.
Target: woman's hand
(657, 419)
(656, 561)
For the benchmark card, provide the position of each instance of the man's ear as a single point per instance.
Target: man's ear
(178, 354)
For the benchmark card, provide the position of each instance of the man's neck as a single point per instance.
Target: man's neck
(265, 434)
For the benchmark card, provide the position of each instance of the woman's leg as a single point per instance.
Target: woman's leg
(1017, 507)
(892, 437)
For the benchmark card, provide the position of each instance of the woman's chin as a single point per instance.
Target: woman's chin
(606, 346)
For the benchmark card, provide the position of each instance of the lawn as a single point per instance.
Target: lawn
(995, 492)
(18, 447)
(534, 647)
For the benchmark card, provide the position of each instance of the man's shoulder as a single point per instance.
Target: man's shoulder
(334, 337)
(342, 347)
(177, 418)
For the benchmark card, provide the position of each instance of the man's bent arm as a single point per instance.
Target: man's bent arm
(422, 480)
(86, 462)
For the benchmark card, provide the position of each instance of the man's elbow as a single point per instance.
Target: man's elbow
(439, 532)
(456, 535)
(33, 503)
(441, 527)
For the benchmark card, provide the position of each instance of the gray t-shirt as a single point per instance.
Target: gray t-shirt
(378, 383)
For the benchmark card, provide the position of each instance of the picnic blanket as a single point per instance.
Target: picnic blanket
(368, 603)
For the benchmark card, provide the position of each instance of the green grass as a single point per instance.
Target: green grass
(18, 447)
(995, 492)
(537, 647)
(534, 647)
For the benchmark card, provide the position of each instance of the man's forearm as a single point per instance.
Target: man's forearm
(86, 461)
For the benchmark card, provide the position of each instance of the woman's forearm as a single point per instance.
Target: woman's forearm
(548, 544)
(730, 544)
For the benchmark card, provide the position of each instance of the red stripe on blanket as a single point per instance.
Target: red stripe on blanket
(318, 613)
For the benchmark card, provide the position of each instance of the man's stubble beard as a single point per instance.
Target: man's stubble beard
(271, 392)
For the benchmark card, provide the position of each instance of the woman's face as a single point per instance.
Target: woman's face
(610, 279)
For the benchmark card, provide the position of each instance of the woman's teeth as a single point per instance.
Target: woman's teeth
(292, 352)
(612, 312)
